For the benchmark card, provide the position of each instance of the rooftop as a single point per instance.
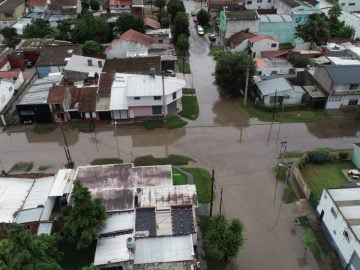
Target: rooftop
(105, 82)
(242, 15)
(57, 55)
(9, 74)
(296, 3)
(272, 63)
(57, 94)
(33, 44)
(29, 215)
(343, 74)
(261, 37)
(118, 222)
(33, 3)
(275, 18)
(239, 37)
(61, 183)
(10, 5)
(271, 86)
(87, 99)
(343, 61)
(182, 220)
(164, 249)
(145, 222)
(45, 228)
(84, 64)
(39, 192)
(313, 91)
(133, 65)
(151, 23)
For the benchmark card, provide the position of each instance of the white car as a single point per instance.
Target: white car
(354, 173)
(200, 30)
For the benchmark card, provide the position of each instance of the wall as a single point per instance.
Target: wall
(322, 77)
(17, 13)
(295, 97)
(259, 4)
(39, 8)
(164, 265)
(6, 93)
(301, 182)
(235, 26)
(350, 8)
(335, 102)
(282, 31)
(120, 49)
(263, 45)
(282, 8)
(336, 226)
(356, 156)
(242, 47)
(280, 71)
(44, 71)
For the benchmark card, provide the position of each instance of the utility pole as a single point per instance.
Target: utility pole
(66, 146)
(183, 65)
(274, 105)
(163, 95)
(221, 199)
(282, 154)
(246, 85)
(212, 191)
(117, 142)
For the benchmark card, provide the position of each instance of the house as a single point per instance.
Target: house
(103, 95)
(215, 6)
(280, 26)
(10, 81)
(261, 43)
(299, 10)
(279, 91)
(349, 5)
(120, 6)
(137, 7)
(274, 67)
(133, 65)
(63, 7)
(38, 6)
(162, 35)
(141, 96)
(10, 11)
(353, 20)
(29, 49)
(232, 22)
(151, 23)
(54, 57)
(239, 42)
(81, 68)
(133, 43)
(145, 212)
(20, 25)
(341, 83)
(339, 214)
(356, 155)
(59, 99)
(33, 106)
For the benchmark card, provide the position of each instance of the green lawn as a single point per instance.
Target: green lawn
(173, 121)
(183, 68)
(74, 259)
(289, 195)
(292, 154)
(105, 161)
(327, 175)
(296, 116)
(188, 91)
(190, 107)
(178, 177)
(202, 180)
(22, 167)
(171, 160)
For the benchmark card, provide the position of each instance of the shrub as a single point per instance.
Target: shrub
(343, 155)
(302, 163)
(299, 61)
(319, 155)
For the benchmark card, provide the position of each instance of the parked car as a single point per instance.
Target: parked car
(354, 173)
(169, 73)
(200, 30)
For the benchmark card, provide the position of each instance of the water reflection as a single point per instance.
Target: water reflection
(335, 128)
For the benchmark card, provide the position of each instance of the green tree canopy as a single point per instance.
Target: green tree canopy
(63, 30)
(316, 29)
(91, 47)
(125, 21)
(335, 12)
(224, 237)
(95, 5)
(85, 4)
(203, 17)
(22, 250)
(85, 215)
(181, 25)
(39, 29)
(230, 71)
(173, 7)
(89, 27)
(9, 34)
(160, 4)
(182, 42)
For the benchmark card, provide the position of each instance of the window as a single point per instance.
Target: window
(351, 4)
(273, 45)
(333, 212)
(157, 98)
(174, 95)
(269, 1)
(354, 86)
(347, 236)
(249, 2)
(259, 1)
(8, 14)
(136, 98)
(353, 102)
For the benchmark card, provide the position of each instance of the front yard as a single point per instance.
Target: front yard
(326, 175)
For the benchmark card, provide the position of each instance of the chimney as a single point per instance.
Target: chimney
(89, 62)
(100, 64)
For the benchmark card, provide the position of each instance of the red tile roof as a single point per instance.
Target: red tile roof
(57, 94)
(105, 83)
(136, 37)
(238, 38)
(87, 100)
(261, 37)
(120, 2)
(57, 4)
(9, 74)
(33, 3)
(151, 23)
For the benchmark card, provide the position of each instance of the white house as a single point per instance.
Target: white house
(259, 4)
(353, 20)
(135, 95)
(279, 91)
(10, 81)
(120, 6)
(38, 5)
(350, 5)
(339, 213)
(261, 43)
(239, 42)
(274, 67)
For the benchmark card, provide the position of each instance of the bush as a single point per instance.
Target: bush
(319, 155)
(170, 160)
(343, 155)
(299, 61)
(91, 47)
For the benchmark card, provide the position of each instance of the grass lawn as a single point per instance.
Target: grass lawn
(183, 68)
(105, 161)
(178, 177)
(188, 91)
(190, 107)
(213, 262)
(202, 180)
(74, 259)
(22, 167)
(171, 122)
(292, 154)
(44, 128)
(289, 195)
(171, 160)
(327, 175)
(301, 116)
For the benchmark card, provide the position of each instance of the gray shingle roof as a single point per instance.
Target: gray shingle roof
(344, 74)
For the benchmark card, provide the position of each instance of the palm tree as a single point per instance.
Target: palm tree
(334, 12)
(316, 29)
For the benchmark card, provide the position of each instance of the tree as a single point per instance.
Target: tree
(335, 12)
(225, 238)
(316, 29)
(173, 7)
(182, 42)
(88, 27)
(85, 5)
(95, 5)
(63, 30)
(22, 250)
(9, 34)
(203, 17)
(127, 21)
(91, 47)
(164, 19)
(160, 4)
(181, 25)
(39, 29)
(230, 71)
(299, 61)
(85, 215)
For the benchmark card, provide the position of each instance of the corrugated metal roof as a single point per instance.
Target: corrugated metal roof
(39, 192)
(118, 100)
(343, 74)
(271, 86)
(80, 63)
(118, 222)
(163, 249)
(62, 177)
(275, 18)
(112, 249)
(29, 215)
(13, 192)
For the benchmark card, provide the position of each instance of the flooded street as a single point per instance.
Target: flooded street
(242, 152)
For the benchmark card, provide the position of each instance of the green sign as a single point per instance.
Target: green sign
(222, 23)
